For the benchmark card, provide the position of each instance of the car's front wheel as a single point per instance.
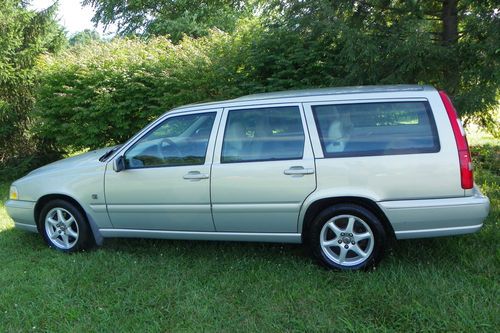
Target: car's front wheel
(347, 237)
(64, 227)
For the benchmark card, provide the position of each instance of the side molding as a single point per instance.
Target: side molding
(205, 235)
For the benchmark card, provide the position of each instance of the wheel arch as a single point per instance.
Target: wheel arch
(320, 204)
(43, 200)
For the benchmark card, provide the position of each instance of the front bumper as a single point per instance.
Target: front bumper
(437, 217)
(23, 214)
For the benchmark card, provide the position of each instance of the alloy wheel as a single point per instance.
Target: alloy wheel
(61, 228)
(347, 240)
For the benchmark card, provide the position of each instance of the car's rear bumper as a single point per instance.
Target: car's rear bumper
(23, 214)
(437, 217)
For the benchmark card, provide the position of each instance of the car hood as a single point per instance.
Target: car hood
(86, 159)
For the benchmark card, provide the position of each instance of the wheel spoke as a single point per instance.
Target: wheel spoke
(65, 240)
(69, 221)
(54, 235)
(334, 228)
(359, 252)
(51, 221)
(362, 236)
(342, 254)
(60, 217)
(330, 242)
(71, 233)
(350, 225)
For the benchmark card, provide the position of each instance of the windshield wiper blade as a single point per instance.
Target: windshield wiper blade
(108, 153)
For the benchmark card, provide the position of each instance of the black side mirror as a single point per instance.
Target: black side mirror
(119, 164)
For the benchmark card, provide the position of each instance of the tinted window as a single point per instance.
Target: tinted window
(376, 128)
(180, 140)
(263, 135)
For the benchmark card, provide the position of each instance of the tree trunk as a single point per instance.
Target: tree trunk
(449, 39)
(450, 21)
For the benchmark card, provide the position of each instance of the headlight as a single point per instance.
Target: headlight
(13, 195)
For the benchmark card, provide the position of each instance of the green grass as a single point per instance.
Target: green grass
(442, 284)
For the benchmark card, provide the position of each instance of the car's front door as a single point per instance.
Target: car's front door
(263, 169)
(166, 181)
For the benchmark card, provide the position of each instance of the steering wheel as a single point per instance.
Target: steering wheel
(170, 145)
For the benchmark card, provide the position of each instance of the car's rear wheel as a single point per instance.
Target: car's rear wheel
(64, 227)
(347, 237)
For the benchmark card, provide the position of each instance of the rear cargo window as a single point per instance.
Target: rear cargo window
(366, 129)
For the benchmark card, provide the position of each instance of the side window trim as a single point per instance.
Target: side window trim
(159, 122)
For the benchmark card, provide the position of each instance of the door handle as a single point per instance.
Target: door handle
(195, 175)
(299, 170)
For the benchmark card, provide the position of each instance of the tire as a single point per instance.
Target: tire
(347, 237)
(64, 227)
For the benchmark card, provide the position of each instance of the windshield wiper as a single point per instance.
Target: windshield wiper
(107, 154)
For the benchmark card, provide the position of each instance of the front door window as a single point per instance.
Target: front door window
(180, 140)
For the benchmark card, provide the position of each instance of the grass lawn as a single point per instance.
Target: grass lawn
(441, 284)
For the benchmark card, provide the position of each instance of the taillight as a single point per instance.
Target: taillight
(464, 157)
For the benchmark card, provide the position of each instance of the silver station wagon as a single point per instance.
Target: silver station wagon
(342, 170)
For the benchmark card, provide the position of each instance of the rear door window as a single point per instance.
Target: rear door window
(264, 134)
(385, 128)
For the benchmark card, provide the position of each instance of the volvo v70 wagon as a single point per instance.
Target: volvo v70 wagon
(342, 170)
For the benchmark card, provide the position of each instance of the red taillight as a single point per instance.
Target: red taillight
(464, 157)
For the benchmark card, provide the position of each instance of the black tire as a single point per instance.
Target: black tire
(348, 250)
(79, 226)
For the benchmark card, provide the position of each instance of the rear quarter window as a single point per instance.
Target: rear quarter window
(368, 129)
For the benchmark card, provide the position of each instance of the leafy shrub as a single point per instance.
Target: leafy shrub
(487, 157)
(102, 93)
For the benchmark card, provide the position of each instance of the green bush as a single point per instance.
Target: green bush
(102, 93)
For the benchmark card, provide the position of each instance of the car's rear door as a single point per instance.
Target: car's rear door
(263, 169)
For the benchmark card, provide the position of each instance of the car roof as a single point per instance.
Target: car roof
(289, 94)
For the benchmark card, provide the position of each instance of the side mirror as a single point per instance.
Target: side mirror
(119, 164)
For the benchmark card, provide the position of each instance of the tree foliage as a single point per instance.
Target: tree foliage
(450, 44)
(24, 36)
(175, 18)
(84, 37)
(102, 93)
